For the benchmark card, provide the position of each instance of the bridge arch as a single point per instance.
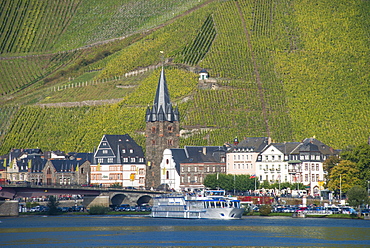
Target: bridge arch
(145, 199)
(117, 199)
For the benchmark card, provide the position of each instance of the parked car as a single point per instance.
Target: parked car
(122, 207)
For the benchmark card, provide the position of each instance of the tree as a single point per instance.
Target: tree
(361, 156)
(53, 205)
(343, 176)
(329, 164)
(357, 196)
(230, 182)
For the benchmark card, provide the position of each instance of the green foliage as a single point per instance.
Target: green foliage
(53, 204)
(98, 210)
(230, 182)
(265, 210)
(357, 196)
(361, 156)
(343, 176)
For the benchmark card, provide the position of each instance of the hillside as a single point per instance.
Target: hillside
(288, 69)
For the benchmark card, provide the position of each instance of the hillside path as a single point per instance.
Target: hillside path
(256, 72)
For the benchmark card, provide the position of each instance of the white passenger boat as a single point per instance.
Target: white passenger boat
(212, 205)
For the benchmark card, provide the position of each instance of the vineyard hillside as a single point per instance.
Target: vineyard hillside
(73, 70)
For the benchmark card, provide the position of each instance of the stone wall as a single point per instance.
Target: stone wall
(9, 208)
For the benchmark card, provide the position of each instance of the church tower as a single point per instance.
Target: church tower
(162, 131)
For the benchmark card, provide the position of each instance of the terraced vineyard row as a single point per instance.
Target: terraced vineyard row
(198, 49)
(33, 26)
(78, 129)
(19, 73)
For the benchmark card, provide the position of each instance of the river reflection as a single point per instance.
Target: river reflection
(115, 231)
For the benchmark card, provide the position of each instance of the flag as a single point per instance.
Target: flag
(98, 167)
(164, 171)
(252, 176)
(5, 165)
(29, 163)
(77, 167)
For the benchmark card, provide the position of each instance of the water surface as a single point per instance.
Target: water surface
(115, 231)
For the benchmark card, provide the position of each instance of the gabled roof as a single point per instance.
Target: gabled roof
(118, 147)
(178, 155)
(324, 149)
(250, 144)
(203, 154)
(285, 148)
(66, 165)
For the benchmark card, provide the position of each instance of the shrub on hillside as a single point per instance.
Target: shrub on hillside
(265, 210)
(98, 209)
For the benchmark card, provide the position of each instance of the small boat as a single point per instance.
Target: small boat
(214, 204)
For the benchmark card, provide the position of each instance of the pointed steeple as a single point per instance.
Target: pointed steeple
(162, 109)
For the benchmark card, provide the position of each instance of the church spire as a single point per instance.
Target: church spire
(162, 109)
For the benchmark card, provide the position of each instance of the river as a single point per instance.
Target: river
(116, 231)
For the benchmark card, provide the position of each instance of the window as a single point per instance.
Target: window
(306, 178)
(195, 179)
(188, 169)
(313, 178)
(132, 160)
(167, 161)
(170, 129)
(170, 142)
(260, 166)
(100, 160)
(105, 151)
(153, 129)
(167, 175)
(133, 168)
(153, 142)
(110, 160)
(317, 178)
(306, 166)
(141, 160)
(125, 160)
(141, 180)
(272, 158)
(317, 167)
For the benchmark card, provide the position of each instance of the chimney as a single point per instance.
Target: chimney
(236, 141)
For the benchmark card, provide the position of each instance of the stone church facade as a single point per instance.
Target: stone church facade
(162, 131)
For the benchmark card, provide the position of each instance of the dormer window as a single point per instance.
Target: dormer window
(131, 150)
(123, 150)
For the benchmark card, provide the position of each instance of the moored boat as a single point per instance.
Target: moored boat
(212, 205)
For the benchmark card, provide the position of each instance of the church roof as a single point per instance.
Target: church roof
(162, 109)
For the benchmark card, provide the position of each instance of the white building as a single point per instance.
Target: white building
(295, 162)
(118, 160)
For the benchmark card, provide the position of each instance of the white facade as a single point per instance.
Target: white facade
(127, 175)
(169, 174)
(271, 166)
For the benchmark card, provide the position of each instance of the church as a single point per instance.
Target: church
(162, 131)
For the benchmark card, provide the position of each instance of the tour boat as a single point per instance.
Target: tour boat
(212, 205)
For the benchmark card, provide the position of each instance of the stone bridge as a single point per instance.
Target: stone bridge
(91, 195)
